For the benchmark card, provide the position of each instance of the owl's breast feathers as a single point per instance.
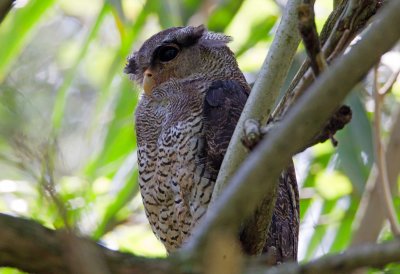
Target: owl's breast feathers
(183, 131)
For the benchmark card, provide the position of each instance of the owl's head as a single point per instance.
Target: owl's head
(179, 53)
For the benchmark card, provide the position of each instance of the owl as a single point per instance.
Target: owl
(194, 93)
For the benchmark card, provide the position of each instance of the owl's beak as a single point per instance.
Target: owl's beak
(148, 82)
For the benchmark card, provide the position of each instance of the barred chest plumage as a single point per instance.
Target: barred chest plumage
(173, 181)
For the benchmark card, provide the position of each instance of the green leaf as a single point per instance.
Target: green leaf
(9, 270)
(223, 15)
(343, 233)
(260, 32)
(189, 8)
(333, 185)
(320, 229)
(15, 31)
(169, 13)
(322, 155)
(355, 149)
(61, 98)
(117, 7)
(124, 196)
(128, 36)
(120, 139)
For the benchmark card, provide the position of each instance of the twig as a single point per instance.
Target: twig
(389, 83)
(303, 121)
(328, 28)
(348, 19)
(381, 160)
(372, 255)
(48, 184)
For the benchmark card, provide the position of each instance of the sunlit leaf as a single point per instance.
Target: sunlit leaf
(120, 139)
(343, 233)
(320, 229)
(333, 185)
(318, 164)
(9, 270)
(124, 195)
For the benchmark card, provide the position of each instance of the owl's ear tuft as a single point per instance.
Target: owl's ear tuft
(214, 40)
(131, 66)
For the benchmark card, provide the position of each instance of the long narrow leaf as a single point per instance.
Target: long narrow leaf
(60, 102)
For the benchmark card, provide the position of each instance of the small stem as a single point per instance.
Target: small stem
(389, 83)
(381, 160)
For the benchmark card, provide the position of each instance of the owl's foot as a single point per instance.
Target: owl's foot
(253, 132)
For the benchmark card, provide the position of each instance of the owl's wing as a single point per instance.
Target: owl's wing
(223, 104)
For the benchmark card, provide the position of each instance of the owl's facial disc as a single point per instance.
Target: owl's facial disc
(148, 81)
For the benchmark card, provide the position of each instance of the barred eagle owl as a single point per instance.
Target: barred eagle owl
(193, 96)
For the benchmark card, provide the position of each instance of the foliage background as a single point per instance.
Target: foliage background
(67, 143)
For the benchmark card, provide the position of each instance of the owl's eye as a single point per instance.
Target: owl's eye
(167, 53)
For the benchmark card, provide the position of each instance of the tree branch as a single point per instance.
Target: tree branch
(264, 92)
(299, 125)
(31, 247)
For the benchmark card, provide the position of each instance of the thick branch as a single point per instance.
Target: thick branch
(257, 177)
